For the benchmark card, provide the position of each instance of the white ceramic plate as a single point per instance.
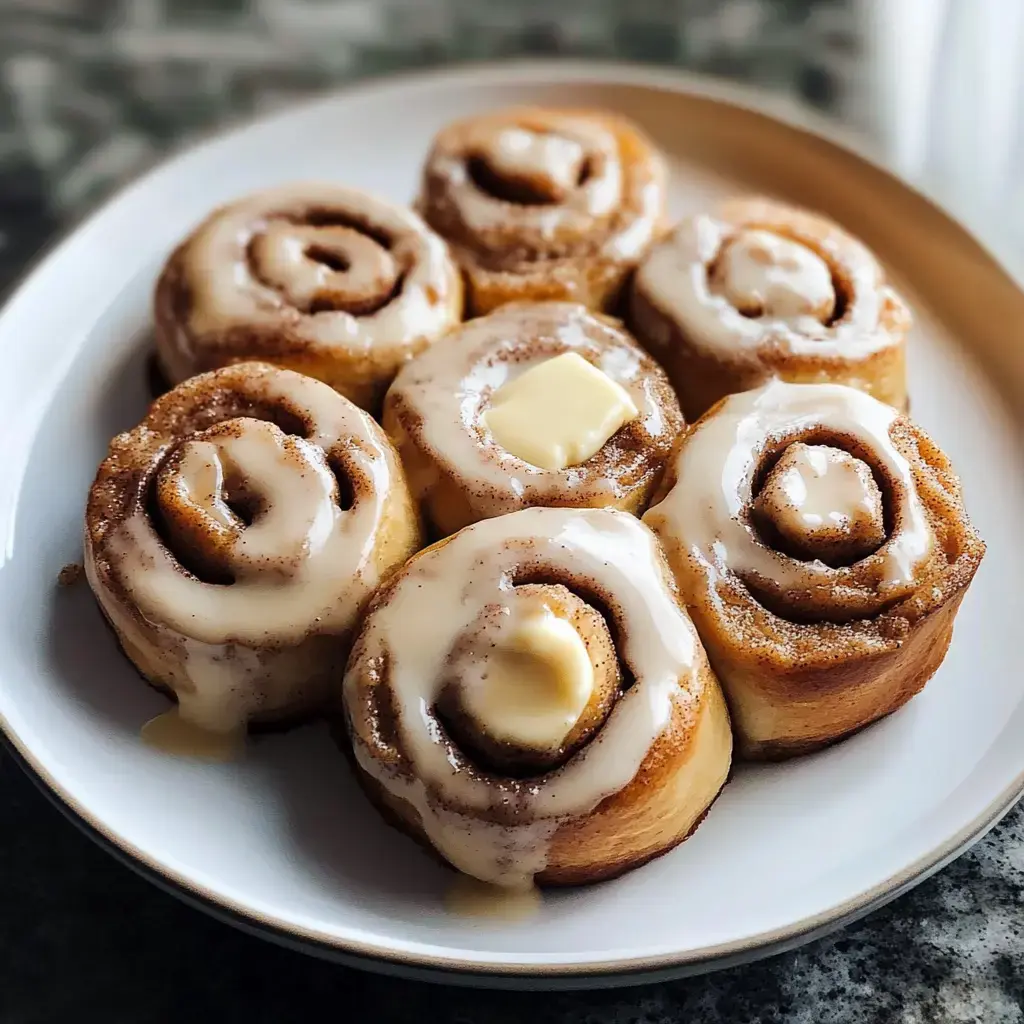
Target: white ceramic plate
(284, 841)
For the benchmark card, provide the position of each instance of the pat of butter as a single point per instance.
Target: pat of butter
(536, 685)
(559, 413)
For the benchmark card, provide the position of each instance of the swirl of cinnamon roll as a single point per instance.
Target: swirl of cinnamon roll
(530, 698)
(820, 541)
(757, 289)
(544, 204)
(233, 537)
(329, 281)
(536, 404)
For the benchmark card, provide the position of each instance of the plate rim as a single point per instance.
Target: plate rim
(429, 966)
(535, 977)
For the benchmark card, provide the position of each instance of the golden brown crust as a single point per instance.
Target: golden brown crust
(803, 666)
(156, 535)
(434, 411)
(825, 704)
(656, 811)
(326, 281)
(870, 356)
(522, 234)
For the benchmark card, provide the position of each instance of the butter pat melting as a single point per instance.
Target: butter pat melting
(559, 413)
(537, 683)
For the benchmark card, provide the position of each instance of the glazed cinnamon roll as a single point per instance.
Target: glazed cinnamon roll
(233, 537)
(530, 698)
(536, 404)
(757, 289)
(544, 204)
(821, 544)
(326, 280)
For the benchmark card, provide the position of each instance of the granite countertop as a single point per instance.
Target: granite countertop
(91, 92)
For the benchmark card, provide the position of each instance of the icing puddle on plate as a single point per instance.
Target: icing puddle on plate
(469, 897)
(171, 734)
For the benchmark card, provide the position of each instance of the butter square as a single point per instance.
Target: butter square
(559, 413)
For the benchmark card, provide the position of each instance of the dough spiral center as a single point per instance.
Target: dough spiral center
(763, 274)
(244, 500)
(822, 503)
(332, 267)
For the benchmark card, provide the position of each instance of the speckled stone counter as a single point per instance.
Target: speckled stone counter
(93, 91)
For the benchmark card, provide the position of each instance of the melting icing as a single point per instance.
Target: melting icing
(791, 283)
(824, 502)
(765, 275)
(715, 466)
(550, 159)
(469, 897)
(303, 566)
(171, 733)
(821, 486)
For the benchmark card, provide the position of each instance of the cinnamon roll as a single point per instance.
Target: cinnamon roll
(530, 698)
(233, 537)
(757, 289)
(536, 404)
(820, 541)
(330, 281)
(544, 204)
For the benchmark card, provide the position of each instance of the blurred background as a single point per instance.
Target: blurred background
(94, 91)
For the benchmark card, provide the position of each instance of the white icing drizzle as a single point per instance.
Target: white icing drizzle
(436, 599)
(678, 278)
(200, 482)
(551, 149)
(447, 387)
(266, 232)
(707, 508)
(303, 566)
(574, 215)
(776, 278)
(286, 255)
(551, 159)
(822, 488)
